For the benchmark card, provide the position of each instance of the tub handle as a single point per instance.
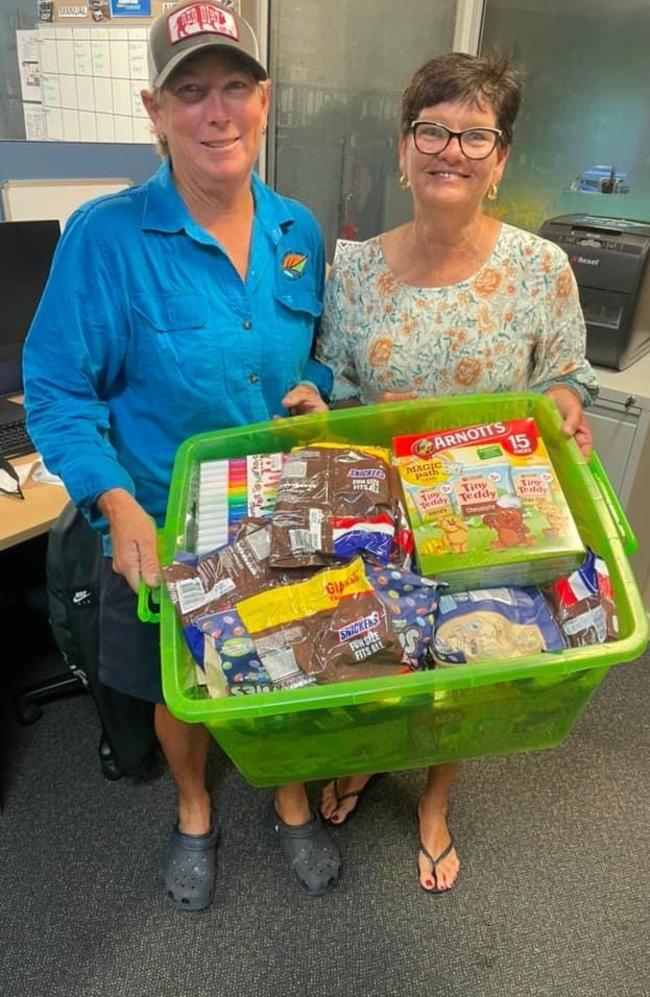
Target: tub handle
(148, 603)
(628, 539)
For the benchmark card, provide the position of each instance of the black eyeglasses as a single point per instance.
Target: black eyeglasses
(476, 143)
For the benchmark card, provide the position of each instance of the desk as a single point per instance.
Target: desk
(22, 520)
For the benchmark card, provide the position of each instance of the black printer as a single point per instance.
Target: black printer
(609, 257)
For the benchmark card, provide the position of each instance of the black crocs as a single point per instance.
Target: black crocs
(190, 869)
(313, 856)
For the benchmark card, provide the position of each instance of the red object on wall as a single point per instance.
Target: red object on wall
(349, 231)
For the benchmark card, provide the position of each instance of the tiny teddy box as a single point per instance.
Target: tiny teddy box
(486, 505)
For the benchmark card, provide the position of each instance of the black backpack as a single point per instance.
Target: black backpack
(73, 568)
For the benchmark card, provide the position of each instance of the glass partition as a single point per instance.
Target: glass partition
(338, 72)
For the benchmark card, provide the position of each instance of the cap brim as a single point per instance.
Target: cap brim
(256, 67)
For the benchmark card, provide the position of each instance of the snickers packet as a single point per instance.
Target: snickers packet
(219, 579)
(334, 502)
(583, 604)
(333, 627)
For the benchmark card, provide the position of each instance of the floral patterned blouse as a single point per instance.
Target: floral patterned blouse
(515, 325)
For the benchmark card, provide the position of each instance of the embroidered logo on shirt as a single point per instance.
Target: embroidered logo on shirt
(293, 265)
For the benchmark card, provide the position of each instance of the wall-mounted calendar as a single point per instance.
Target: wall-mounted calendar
(91, 79)
(93, 66)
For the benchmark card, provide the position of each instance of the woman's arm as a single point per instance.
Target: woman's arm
(562, 335)
(575, 422)
(74, 352)
(561, 370)
(133, 537)
(316, 374)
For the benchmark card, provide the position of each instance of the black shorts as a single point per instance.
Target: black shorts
(129, 650)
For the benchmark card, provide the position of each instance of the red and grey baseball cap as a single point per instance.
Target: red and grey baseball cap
(196, 25)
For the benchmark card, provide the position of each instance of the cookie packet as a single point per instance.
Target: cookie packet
(493, 624)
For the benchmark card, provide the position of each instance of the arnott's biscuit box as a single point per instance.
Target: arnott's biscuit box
(485, 505)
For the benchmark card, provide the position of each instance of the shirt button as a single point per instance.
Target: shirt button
(254, 378)
(247, 324)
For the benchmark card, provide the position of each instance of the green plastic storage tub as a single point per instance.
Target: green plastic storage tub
(415, 720)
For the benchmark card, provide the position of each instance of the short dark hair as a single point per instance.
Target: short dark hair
(481, 79)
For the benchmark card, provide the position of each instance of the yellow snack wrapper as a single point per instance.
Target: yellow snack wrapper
(319, 594)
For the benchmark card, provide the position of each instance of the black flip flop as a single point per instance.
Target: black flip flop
(434, 862)
(357, 794)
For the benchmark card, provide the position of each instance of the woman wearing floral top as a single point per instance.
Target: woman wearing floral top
(453, 302)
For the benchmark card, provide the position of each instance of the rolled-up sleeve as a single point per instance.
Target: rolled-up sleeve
(562, 336)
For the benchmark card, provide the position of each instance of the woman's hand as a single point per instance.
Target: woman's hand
(302, 400)
(133, 535)
(575, 422)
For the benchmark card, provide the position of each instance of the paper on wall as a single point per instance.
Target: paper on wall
(29, 65)
(34, 124)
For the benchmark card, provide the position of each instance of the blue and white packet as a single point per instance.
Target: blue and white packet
(411, 601)
(233, 651)
(493, 624)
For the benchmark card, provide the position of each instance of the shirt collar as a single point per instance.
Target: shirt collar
(165, 210)
(272, 212)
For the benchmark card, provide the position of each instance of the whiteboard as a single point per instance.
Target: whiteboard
(40, 200)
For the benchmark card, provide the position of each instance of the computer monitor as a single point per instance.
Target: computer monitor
(26, 250)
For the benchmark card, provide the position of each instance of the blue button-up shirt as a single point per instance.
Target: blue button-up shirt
(146, 335)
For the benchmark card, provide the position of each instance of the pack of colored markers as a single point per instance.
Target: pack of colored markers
(232, 489)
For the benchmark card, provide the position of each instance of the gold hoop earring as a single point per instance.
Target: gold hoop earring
(404, 182)
(492, 192)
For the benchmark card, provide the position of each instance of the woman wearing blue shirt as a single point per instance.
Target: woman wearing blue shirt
(184, 305)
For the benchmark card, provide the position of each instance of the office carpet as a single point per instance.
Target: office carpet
(552, 900)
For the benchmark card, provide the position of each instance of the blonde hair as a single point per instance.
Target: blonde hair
(161, 143)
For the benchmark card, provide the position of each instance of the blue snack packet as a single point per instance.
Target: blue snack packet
(411, 601)
(235, 651)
